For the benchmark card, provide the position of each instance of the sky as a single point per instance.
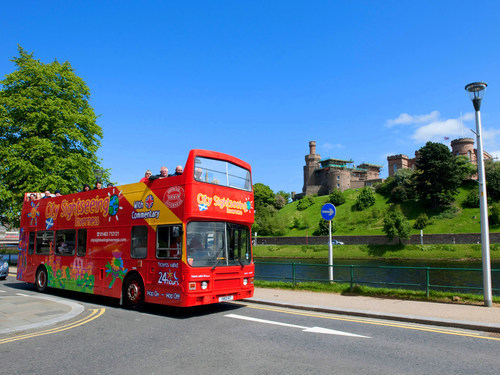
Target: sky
(260, 79)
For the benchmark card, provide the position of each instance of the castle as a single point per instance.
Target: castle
(322, 176)
(460, 146)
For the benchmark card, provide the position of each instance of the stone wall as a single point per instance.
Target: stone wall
(461, 238)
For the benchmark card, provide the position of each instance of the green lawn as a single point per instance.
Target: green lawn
(436, 252)
(370, 221)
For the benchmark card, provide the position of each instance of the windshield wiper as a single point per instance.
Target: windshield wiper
(219, 252)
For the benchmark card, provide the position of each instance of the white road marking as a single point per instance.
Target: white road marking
(304, 329)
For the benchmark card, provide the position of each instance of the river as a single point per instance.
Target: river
(442, 275)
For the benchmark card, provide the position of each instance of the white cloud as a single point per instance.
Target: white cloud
(469, 116)
(437, 130)
(328, 146)
(406, 119)
(495, 154)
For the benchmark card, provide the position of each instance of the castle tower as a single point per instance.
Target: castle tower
(312, 162)
(464, 146)
(397, 162)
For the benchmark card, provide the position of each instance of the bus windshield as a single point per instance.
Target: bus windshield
(211, 244)
(220, 172)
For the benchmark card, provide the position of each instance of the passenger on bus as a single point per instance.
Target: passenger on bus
(146, 176)
(109, 185)
(163, 174)
(86, 187)
(178, 171)
(175, 247)
(57, 193)
(32, 197)
(98, 185)
(195, 244)
(62, 246)
(197, 174)
(47, 194)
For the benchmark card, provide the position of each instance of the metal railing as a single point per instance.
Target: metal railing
(413, 278)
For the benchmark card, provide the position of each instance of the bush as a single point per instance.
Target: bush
(494, 218)
(323, 228)
(337, 198)
(365, 199)
(305, 202)
(471, 200)
(421, 222)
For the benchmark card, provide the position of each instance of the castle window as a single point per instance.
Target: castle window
(469, 155)
(338, 178)
(338, 186)
(395, 167)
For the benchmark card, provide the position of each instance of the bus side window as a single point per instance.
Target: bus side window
(44, 242)
(65, 242)
(81, 249)
(31, 244)
(139, 242)
(169, 241)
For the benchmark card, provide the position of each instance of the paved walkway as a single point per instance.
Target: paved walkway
(443, 314)
(25, 311)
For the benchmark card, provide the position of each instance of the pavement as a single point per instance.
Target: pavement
(25, 311)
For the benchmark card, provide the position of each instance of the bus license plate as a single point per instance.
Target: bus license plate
(226, 298)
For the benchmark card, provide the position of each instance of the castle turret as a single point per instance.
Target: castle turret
(312, 162)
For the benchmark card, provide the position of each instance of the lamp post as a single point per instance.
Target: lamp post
(476, 93)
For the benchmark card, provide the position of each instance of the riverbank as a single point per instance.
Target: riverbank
(363, 290)
(457, 252)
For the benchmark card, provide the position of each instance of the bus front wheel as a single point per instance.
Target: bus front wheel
(41, 280)
(134, 292)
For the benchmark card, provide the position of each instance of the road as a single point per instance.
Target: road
(236, 338)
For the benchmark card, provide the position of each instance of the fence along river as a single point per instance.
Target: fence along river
(458, 276)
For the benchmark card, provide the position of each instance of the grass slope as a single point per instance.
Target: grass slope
(347, 221)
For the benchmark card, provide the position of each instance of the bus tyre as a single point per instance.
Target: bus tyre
(134, 292)
(41, 280)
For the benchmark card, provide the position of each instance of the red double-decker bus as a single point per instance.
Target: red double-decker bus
(181, 240)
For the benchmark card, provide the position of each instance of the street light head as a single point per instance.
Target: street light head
(476, 93)
(98, 174)
(476, 90)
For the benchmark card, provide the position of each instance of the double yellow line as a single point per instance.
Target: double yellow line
(94, 314)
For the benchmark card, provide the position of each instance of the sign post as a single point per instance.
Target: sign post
(328, 212)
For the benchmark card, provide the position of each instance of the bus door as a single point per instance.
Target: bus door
(167, 276)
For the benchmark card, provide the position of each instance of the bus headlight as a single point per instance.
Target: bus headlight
(245, 281)
(204, 285)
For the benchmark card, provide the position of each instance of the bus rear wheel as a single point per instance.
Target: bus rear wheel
(134, 292)
(41, 280)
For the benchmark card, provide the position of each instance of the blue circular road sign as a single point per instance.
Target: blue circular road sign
(328, 211)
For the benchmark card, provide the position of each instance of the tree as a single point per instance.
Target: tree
(492, 171)
(336, 198)
(365, 199)
(285, 195)
(48, 133)
(396, 224)
(405, 185)
(279, 201)
(438, 177)
(263, 196)
(465, 167)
